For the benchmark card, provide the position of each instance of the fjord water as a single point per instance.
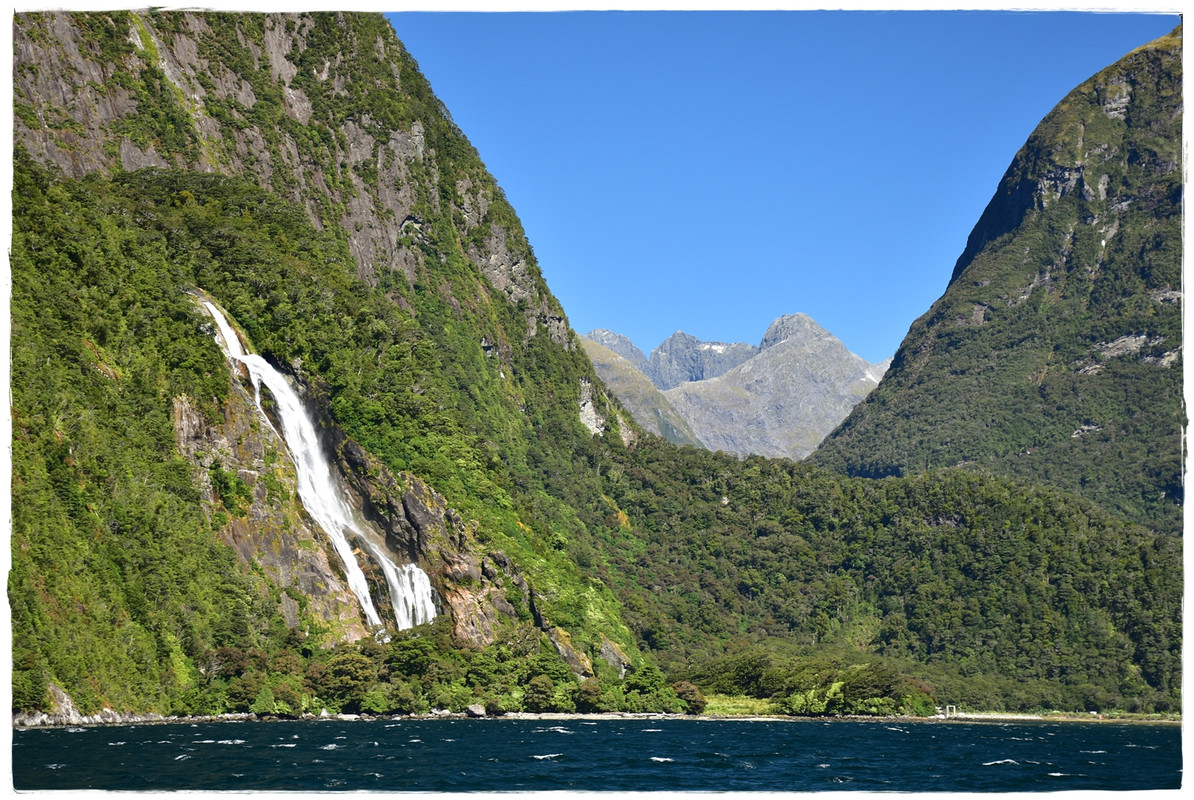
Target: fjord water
(410, 589)
(608, 755)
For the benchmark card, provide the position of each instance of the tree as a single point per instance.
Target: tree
(264, 702)
(588, 696)
(694, 701)
(347, 679)
(538, 695)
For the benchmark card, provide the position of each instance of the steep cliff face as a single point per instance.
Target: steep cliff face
(329, 112)
(326, 110)
(269, 528)
(271, 531)
(1055, 351)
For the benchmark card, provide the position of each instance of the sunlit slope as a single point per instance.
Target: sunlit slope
(642, 399)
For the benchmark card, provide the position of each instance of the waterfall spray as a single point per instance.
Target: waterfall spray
(410, 590)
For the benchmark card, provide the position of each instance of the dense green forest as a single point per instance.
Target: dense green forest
(822, 593)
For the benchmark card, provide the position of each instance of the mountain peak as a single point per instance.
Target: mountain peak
(682, 358)
(791, 326)
(1080, 246)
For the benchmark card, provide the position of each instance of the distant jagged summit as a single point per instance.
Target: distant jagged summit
(778, 399)
(682, 358)
(622, 346)
(678, 359)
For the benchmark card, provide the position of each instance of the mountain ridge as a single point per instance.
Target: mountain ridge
(779, 398)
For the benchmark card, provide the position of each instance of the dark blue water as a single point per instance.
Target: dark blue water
(497, 755)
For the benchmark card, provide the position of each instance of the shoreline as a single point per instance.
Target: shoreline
(109, 718)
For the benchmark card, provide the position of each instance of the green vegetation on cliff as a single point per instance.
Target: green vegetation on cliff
(104, 337)
(1055, 353)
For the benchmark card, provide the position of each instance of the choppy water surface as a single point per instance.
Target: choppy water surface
(605, 755)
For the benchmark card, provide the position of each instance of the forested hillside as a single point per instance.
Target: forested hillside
(1055, 354)
(298, 171)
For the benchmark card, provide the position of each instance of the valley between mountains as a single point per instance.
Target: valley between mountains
(207, 203)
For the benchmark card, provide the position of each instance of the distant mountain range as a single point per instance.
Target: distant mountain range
(777, 399)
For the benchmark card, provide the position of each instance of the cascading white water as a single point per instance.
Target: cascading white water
(410, 589)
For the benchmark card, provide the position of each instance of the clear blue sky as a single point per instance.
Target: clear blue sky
(711, 171)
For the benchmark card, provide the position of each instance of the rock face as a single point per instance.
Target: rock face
(472, 584)
(1063, 314)
(274, 532)
(779, 399)
(682, 358)
(87, 107)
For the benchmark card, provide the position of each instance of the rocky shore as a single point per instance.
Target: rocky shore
(39, 719)
(61, 719)
(67, 715)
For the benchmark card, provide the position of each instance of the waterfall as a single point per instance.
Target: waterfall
(410, 590)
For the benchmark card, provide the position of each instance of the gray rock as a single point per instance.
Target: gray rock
(682, 358)
(637, 394)
(782, 402)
